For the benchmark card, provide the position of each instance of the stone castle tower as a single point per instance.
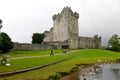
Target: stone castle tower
(65, 31)
(65, 28)
(63, 34)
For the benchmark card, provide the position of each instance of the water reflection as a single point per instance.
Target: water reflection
(109, 71)
(103, 72)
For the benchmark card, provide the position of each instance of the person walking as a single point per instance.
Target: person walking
(51, 54)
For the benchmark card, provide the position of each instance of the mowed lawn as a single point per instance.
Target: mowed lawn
(83, 56)
(14, 54)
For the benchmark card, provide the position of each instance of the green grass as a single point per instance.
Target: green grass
(31, 53)
(87, 56)
(29, 62)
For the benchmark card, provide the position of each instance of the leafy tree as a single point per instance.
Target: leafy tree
(114, 43)
(6, 43)
(0, 23)
(38, 38)
(0, 36)
(1, 41)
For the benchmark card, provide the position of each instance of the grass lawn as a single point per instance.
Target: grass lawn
(19, 64)
(87, 56)
(31, 53)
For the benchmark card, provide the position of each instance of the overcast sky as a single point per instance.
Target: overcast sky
(22, 18)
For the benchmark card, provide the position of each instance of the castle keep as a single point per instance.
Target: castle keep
(65, 32)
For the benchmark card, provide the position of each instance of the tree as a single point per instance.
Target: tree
(38, 38)
(0, 23)
(1, 41)
(0, 36)
(114, 43)
(6, 43)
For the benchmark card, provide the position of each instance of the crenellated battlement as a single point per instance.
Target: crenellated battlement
(65, 12)
(63, 34)
(66, 29)
(76, 14)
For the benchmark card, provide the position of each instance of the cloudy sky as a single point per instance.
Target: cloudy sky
(22, 18)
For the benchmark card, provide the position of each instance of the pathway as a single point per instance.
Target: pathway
(42, 55)
(37, 67)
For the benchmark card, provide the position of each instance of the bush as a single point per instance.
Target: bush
(6, 43)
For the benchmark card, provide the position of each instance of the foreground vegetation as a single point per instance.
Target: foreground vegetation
(88, 56)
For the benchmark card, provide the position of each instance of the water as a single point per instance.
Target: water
(100, 72)
(103, 72)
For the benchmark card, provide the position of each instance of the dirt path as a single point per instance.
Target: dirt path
(43, 55)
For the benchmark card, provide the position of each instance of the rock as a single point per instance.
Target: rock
(7, 64)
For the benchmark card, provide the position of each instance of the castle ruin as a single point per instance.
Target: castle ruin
(65, 32)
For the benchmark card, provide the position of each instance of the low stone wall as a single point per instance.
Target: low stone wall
(26, 46)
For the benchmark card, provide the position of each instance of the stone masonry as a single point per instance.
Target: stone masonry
(65, 31)
(63, 34)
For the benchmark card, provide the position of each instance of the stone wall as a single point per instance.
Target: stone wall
(25, 46)
(89, 42)
(64, 32)
(73, 29)
(65, 28)
(49, 35)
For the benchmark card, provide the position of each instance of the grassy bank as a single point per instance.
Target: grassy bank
(88, 56)
(23, 63)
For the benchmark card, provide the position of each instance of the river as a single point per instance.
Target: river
(110, 71)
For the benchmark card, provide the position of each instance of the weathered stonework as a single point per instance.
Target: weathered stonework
(27, 46)
(89, 42)
(65, 28)
(65, 31)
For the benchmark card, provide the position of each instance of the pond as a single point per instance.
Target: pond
(110, 71)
